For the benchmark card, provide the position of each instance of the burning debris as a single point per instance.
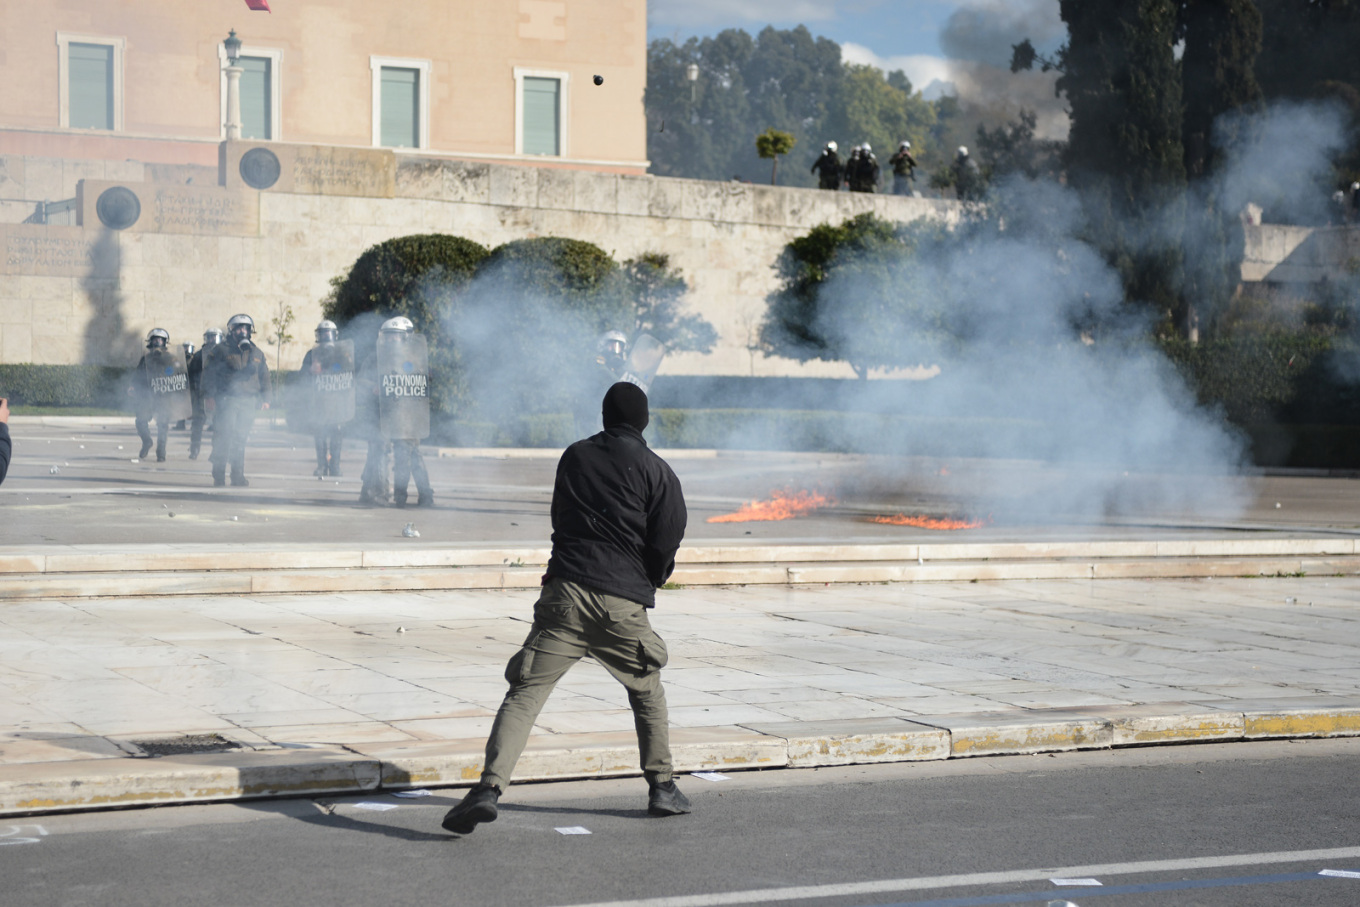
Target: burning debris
(926, 522)
(783, 505)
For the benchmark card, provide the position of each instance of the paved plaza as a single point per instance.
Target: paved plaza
(360, 690)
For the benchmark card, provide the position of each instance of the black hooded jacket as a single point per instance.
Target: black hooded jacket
(618, 516)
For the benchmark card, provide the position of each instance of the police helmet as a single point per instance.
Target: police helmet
(1355, 187)
(159, 338)
(212, 335)
(327, 332)
(399, 325)
(867, 149)
(609, 338)
(905, 146)
(239, 321)
(830, 146)
(963, 151)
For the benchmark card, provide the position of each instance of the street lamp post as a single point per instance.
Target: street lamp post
(233, 48)
(692, 73)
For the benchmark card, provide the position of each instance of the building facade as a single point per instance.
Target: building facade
(496, 80)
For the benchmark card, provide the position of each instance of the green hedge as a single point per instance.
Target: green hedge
(64, 385)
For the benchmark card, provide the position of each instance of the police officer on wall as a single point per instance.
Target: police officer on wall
(238, 384)
(157, 343)
(828, 168)
(211, 338)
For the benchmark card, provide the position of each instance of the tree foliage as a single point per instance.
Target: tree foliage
(770, 144)
(510, 329)
(786, 79)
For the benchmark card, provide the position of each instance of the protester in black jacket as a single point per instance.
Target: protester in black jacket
(5, 446)
(618, 517)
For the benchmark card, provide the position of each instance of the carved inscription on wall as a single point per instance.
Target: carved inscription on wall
(190, 209)
(319, 169)
(42, 251)
(168, 208)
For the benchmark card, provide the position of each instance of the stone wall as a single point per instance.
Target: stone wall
(1280, 254)
(187, 250)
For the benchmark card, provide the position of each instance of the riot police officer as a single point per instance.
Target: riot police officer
(904, 169)
(403, 391)
(608, 366)
(967, 176)
(211, 338)
(238, 384)
(148, 367)
(828, 168)
(328, 373)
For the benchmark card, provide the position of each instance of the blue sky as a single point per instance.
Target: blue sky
(931, 40)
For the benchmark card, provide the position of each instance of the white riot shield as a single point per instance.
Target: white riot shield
(643, 361)
(332, 383)
(169, 380)
(404, 386)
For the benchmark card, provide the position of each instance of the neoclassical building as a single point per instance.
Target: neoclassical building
(493, 80)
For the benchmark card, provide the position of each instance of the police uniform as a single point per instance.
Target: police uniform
(195, 370)
(238, 381)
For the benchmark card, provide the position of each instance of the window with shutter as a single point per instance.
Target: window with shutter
(542, 116)
(90, 81)
(400, 107)
(256, 97)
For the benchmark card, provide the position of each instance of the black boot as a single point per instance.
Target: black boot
(238, 476)
(666, 800)
(478, 806)
(219, 475)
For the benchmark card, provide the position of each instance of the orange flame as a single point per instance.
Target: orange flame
(783, 505)
(925, 522)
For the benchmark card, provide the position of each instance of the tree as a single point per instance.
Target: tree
(1222, 41)
(281, 322)
(657, 293)
(770, 144)
(874, 109)
(1124, 153)
(851, 293)
(420, 276)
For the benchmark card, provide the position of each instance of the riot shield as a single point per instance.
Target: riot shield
(169, 381)
(332, 384)
(404, 386)
(643, 361)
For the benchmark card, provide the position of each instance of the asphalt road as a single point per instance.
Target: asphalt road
(81, 485)
(1227, 824)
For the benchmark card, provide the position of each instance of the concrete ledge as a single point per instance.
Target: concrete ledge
(54, 787)
(525, 569)
(858, 742)
(1011, 734)
(110, 782)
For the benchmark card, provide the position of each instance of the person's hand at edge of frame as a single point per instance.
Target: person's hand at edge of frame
(4, 409)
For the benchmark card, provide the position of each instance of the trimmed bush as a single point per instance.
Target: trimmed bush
(64, 385)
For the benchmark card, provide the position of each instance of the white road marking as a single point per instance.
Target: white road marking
(857, 889)
(13, 834)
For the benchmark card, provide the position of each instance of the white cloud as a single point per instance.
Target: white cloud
(921, 69)
(978, 83)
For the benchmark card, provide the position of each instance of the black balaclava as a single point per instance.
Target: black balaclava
(625, 404)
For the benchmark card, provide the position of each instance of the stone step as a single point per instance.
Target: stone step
(254, 580)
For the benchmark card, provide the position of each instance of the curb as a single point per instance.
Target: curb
(83, 572)
(82, 785)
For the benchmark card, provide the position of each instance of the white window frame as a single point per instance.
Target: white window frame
(64, 42)
(564, 83)
(275, 56)
(375, 65)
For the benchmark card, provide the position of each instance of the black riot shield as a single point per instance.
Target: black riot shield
(404, 386)
(643, 361)
(332, 384)
(169, 380)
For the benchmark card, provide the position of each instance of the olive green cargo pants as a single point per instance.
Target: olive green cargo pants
(570, 622)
